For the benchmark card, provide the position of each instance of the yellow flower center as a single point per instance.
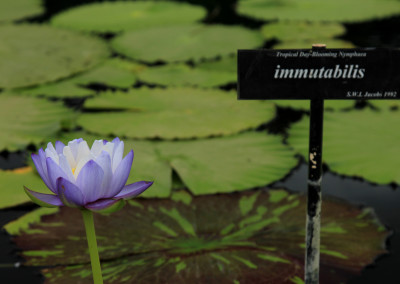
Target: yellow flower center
(73, 170)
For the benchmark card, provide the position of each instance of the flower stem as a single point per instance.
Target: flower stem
(92, 243)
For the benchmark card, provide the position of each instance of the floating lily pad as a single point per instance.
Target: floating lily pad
(305, 104)
(25, 120)
(385, 104)
(357, 143)
(230, 163)
(11, 10)
(105, 74)
(184, 75)
(301, 31)
(181, 43)
(173, 113)
(11, 186)
(35, 54)
(316, 10)
(238, 238)
(128, 16)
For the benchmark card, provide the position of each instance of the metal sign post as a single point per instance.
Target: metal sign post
(317, 74)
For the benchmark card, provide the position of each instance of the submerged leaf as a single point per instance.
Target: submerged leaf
(316, 10)
(128, 16)
(252, 237)
(182, 43)
(173, 113)
(35, 54)
(25, 120)
(357, 143)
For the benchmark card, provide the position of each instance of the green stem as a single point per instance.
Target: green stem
(92, 243)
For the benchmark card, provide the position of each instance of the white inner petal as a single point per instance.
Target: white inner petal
(75, 156)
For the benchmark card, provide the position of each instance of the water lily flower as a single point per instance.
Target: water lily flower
(88, 178)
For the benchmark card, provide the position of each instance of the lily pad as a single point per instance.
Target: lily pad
(384, 104)
(182, 43)
(25, 120)
(235, 238)
(229, 163)
(184, 75)
(11, 186)
(173, 113)
(128, 16)
(305, 104)
(35, 54)
(11, 10)
(357, 143)
(105, 74)
(227, 64)
(301, 31)
(315, 10)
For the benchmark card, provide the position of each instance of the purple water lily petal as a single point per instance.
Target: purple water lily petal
(43, 174)
(59, 147)
(117, 154)
(133, 189)
(89, 181)
(54, 171)
(104, 161)
(69, 193)
(116, 140)
(100, 204)
(120, 176)
(48, 199)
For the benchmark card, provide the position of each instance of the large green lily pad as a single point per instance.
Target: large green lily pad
(206, 166)
(316, 10)
(229, 163)
(173, 113)
(25, 120)
(35, 54)
(11, 186)
(184, 75)
(106, 74)
(384, 104)
(128, 16)
(307, 44)
(237, 238)
(357, 143)
(11, 10)
(182, 43)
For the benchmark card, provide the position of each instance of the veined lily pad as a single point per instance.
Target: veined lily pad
(105, 74)
(237, 238)
(229, 163)
(301, 31)
(181, 43)
(128, 16)
(25, 120)
(207, 166)
(35, 54)
(305, 104)
(357, 143)
(173, 113)
(11, 186)
(227, 64)
(11, 10)
(316, 10)
(184, 75)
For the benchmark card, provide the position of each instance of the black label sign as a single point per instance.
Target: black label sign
(370, 73)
